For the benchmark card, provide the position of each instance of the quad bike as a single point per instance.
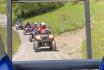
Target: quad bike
(32, 34)
(19, 27)
(42, 40)
(26, 31)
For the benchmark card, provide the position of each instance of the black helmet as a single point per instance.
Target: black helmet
(28, 23)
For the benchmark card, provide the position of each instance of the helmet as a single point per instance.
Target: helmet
(19, 19)
(40, 24)
(43, 23)
(35, 23)
(28, 23)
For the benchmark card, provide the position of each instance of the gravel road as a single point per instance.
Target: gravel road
(68, 47)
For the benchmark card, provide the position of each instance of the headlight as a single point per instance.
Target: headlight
(38, 37)
(51, 36)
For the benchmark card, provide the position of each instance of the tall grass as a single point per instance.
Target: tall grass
(3, 4)
(3, 33)
(15, 39)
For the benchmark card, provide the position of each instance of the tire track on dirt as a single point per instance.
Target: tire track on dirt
(68, 44)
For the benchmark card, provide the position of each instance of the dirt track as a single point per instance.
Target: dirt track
(68, 47)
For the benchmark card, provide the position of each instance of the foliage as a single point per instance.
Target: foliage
(3, 6)
(25, 10)
(16, 41)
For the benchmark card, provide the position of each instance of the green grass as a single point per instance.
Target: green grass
(72, 15)
(97, 30)
(16, 39)
(3, 33)
(3, 6)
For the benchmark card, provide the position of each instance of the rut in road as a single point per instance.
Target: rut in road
(68, 47)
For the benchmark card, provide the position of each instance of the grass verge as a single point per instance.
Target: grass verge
(68, 18)
(16, 40)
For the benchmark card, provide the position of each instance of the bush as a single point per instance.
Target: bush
(25, 10)
(3, 6)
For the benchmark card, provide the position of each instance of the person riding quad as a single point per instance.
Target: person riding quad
(34, 28)
(28, 25)
(27, 28)
(19, 22)
(42, 27)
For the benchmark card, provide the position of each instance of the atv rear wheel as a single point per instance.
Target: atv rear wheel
(21, 27)
(30, 37)
(35, 46)
(53, 45)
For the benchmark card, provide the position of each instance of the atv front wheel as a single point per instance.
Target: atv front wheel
(53, 45)
(35, 46)
(30, 37)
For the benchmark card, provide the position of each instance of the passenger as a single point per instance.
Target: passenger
(28, 25)
(34, 28)
(19, 22)
(42, 27)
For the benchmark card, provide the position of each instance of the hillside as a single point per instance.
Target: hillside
(67, 18)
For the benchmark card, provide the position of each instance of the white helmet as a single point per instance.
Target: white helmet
(35, 23)
(43, 23)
